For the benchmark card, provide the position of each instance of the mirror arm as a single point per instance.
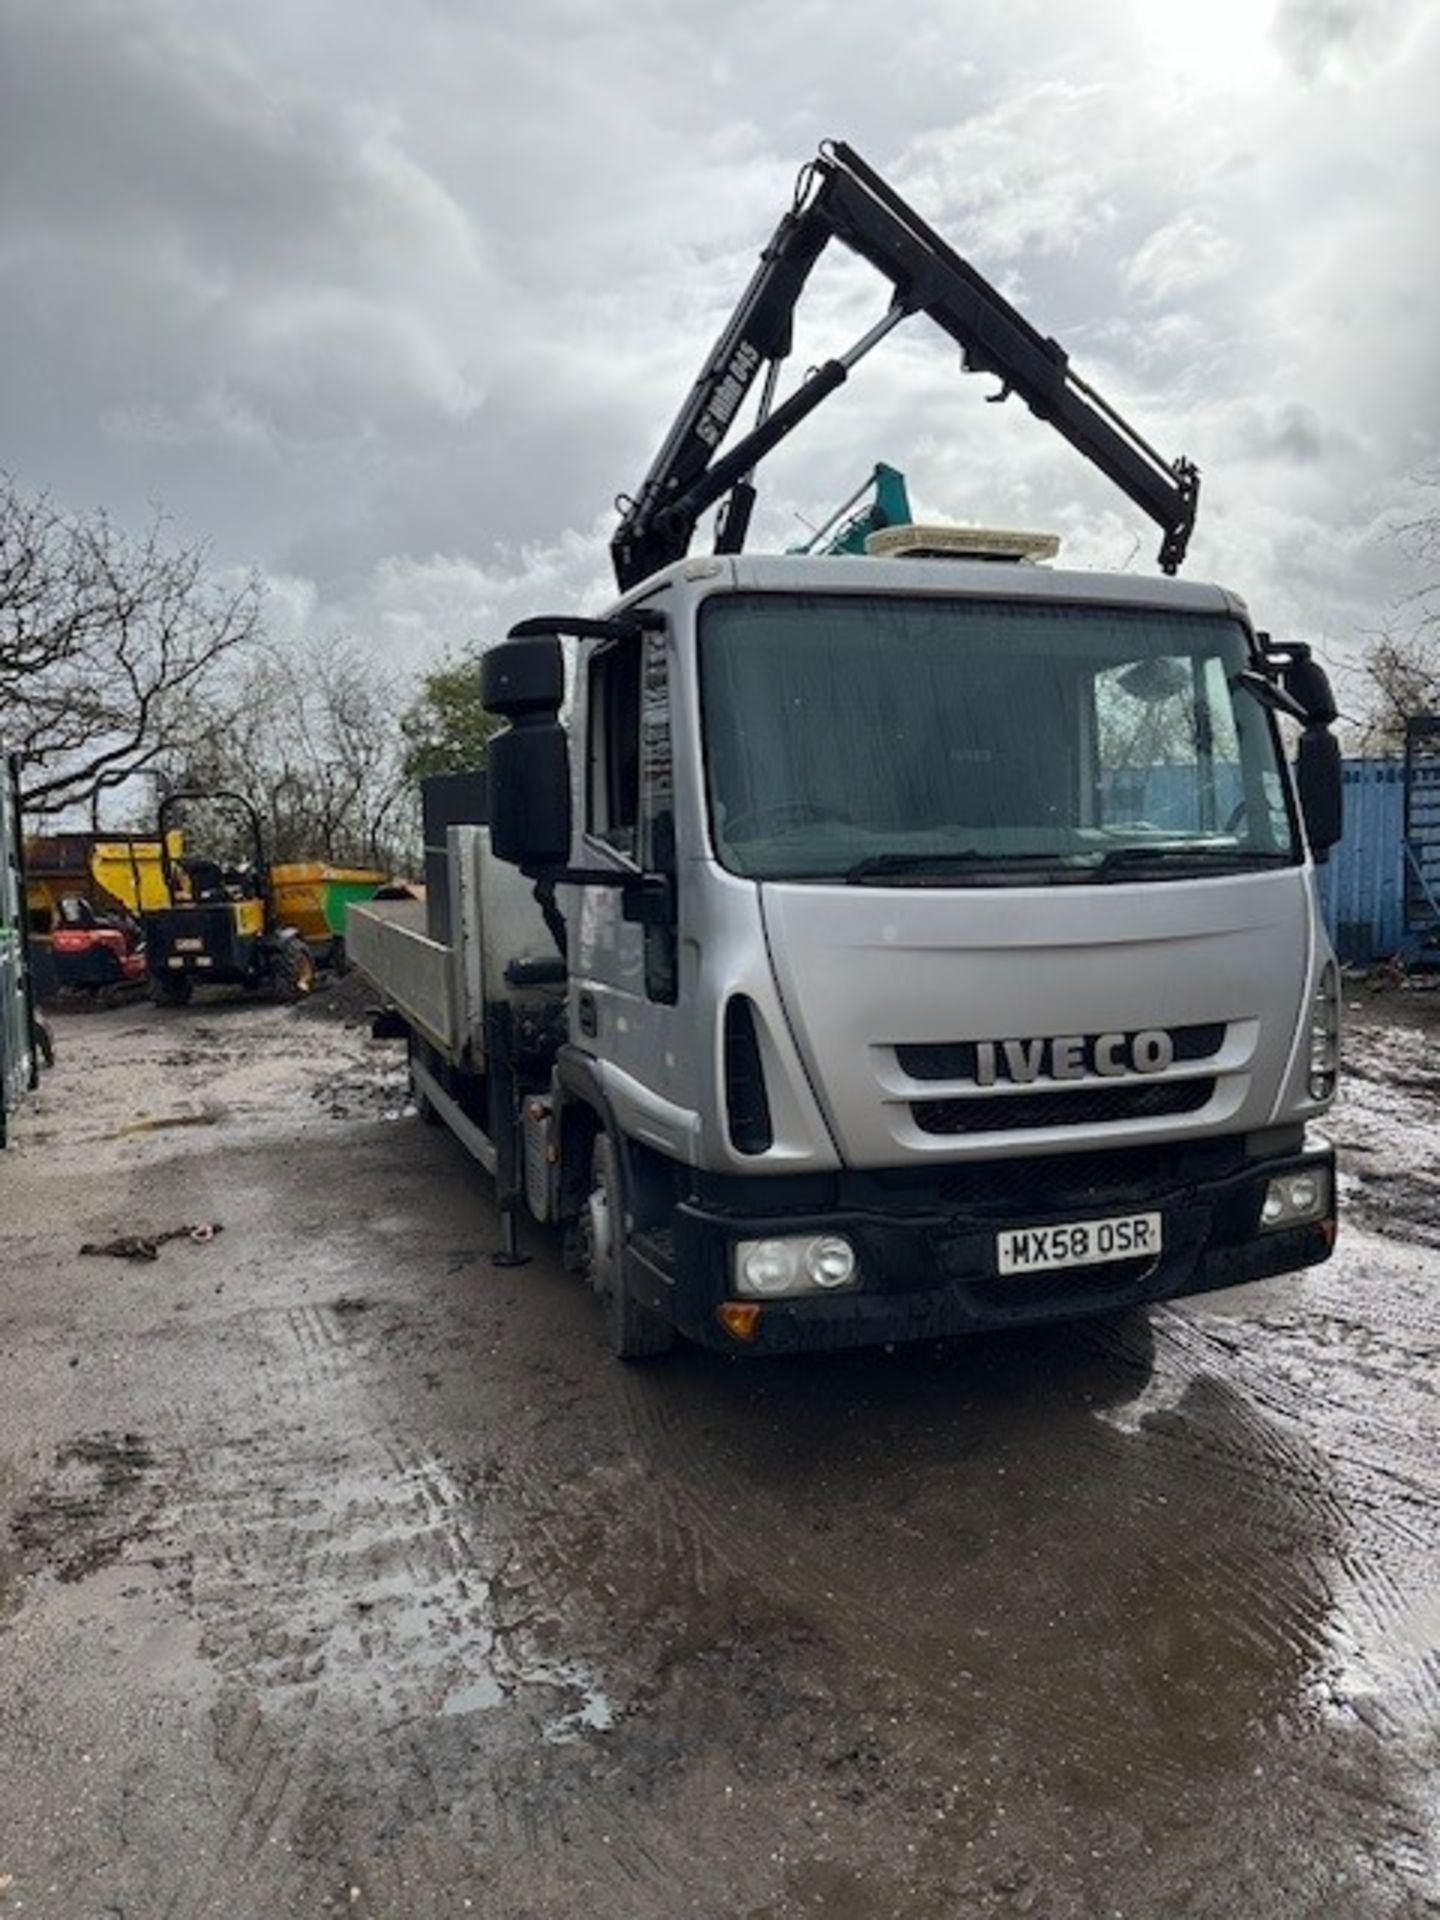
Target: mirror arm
(575, 627)
(648, 898)
(1270, 694)
(587, 876)
(1306, 682)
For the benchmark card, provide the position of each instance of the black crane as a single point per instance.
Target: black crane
(840, 197)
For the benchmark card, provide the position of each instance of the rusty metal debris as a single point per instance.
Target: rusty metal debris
(146, 1246)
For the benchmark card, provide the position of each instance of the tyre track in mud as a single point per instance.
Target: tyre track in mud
(425, 1504)
(883, 1603)
(421, 1558)
(1376, 1437)
(388, 1525)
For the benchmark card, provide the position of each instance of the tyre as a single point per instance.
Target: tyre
(166, 992)
(635, 1331)
(292, 972)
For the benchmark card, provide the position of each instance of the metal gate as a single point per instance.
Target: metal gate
(1422, 836)
(17, 1033)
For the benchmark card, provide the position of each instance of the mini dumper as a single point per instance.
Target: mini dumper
(220, 927)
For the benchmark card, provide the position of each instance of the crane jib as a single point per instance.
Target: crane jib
(842, 198)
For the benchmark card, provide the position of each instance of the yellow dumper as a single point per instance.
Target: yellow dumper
(127, 872)
(123, 871)
(314, 897)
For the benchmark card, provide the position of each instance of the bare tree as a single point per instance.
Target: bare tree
(312, 737)
(1399, 671)
(105, 642)
(1398, 675)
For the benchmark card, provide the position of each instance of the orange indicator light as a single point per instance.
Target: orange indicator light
(739, 1318)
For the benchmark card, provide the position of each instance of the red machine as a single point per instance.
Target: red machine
(95, 952)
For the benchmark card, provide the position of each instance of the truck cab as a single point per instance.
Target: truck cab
(943, 949)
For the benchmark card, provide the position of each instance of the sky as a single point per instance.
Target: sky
(390, 301)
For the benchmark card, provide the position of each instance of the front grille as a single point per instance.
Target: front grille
(1057, 1183)
(1085, 1107)
(955, 1060)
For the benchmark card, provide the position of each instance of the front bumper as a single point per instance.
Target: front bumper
(929, 1265)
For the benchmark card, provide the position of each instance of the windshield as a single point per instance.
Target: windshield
(965, 742)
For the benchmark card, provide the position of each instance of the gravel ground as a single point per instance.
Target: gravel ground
(342, 1571)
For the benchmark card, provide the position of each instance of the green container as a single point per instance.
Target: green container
(340, 896)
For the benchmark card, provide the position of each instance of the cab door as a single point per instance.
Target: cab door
(626, 976)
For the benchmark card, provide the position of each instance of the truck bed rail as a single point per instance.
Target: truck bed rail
(387, 941)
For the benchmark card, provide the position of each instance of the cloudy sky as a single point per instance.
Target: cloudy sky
(391, 297)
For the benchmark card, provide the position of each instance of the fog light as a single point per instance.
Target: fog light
(830, 1262)
(1294, 1198)
(1304, 1193)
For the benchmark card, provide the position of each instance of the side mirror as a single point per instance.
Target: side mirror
(1307, 683)
(1320, 781)
(1303, 678)
(529, 763)
(524, 677)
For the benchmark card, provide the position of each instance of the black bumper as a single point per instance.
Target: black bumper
(929, 1267)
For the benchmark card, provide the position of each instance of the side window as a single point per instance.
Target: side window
(613, 750)
(630, 797)
(657, 766)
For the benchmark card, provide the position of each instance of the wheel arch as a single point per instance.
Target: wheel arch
(647, 1178)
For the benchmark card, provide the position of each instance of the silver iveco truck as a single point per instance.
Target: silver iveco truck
(866, 949)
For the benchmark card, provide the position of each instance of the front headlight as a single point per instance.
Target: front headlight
(765, 1268)
(1325, 1036)
(791, 1264)
(1292, 1199)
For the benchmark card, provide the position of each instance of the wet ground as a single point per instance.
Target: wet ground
(342, 1571)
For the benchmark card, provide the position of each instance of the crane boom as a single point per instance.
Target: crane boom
(840, 197)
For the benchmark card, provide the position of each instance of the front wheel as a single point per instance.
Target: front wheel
(166, 991)
(636, 1332)
(292, 972)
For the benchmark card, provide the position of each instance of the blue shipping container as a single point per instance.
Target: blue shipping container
(1361, 887)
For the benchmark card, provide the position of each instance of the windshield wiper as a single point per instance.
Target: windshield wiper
(1180, 854)
(880, 866)
(1067, 865)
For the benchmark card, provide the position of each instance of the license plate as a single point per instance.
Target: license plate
(189, 946)
(1079, 1243)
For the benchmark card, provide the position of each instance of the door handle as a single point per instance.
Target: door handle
(587, 1015)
